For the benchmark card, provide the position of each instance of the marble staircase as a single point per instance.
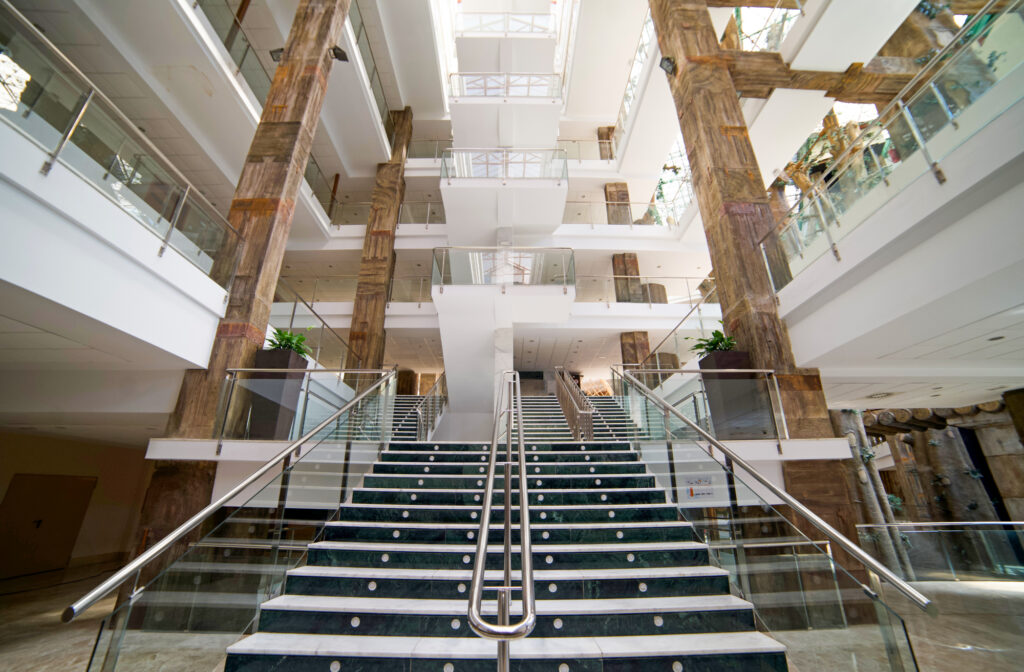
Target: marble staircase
(622, 583)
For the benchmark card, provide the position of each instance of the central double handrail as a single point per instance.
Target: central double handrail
(430, 408)
(577, 408)
(799, 509)
(510, 412)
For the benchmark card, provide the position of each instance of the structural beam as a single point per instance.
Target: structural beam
(366, 335)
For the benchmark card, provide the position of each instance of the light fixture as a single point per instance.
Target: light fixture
(879, 395)
(275, 54)
(668, 64)
(339, 54)
(997, 338)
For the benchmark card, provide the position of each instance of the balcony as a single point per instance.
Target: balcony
(505, 109)
(487, 189)
(506, 41)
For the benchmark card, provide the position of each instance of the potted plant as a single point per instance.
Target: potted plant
(737, 402)
(275, 396)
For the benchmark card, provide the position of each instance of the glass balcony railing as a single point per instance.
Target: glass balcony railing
(49, 101)
(587, 150)
(428, 149)
(809, 588)
(765, 28)
(704, 317)
(601, 213)
(370, 65)
(357, 213)
(962, 90)
(637, 289)
(505, 85)
(504, 164)
(644, 50)
(503, 266)
(490, 23)
(963, 551)
(341, 288)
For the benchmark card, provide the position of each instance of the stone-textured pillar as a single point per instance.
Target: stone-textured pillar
(604, 137)
(626, 269)
(263, 206)
(635, 346)
(366, 335)
(407, 382)
(736, 214)
(427, 381)
(261, 211)
(616, 196)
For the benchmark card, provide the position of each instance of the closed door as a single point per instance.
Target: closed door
(39, 521)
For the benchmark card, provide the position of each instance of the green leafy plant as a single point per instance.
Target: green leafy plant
(717, 342)
(287, 340)
(895, 503)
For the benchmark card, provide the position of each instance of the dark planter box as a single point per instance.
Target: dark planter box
(274, 397)
(739, 404)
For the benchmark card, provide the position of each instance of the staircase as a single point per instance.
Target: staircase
(544, 420)
(622, 583)
(404, 418)
(612, 423)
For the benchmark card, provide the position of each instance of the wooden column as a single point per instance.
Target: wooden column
(736, 214)
(604, 137)
(366, 335)
(407, 382)
(616, 196)
(635, 346)
(626, 270)
(261, 211)
(775, 255)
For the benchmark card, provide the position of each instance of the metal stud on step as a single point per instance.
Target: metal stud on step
(543, 515)
(385, 557)
(545, 534)
(564, 667)
(549, 559)
(658, 621)
(466, 559)
(448, 667)
(552, 588)
(419, 482)
(335, 666)
(456, 624)
(630, 557)
(462, 587)
(355, 621)
(405, 514)
(619, 534)
(396, 534)
(643, 587)
(558, 624)
(372, 586)
(413, 496)
(677, 666)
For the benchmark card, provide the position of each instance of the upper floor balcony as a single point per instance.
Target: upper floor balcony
(505, 109)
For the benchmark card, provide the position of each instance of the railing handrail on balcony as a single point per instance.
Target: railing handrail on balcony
(551, 21)
(696, 306)
(896, 107)
(441, 271)
(430, 408)
(554, 156)
(506, 84)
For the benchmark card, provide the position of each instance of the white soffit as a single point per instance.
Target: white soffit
(851, 32)
(783, 123)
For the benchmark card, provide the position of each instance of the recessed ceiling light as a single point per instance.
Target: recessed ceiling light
(879, 395)
(997, 338)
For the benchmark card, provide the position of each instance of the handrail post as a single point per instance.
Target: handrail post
(173, 222)
(921, 143)
(76, 119)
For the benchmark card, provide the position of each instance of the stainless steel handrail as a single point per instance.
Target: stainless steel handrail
(575, 404)
(833, 534)
(123, 574)
(690, 312)
(969, 523)
(504, 631)
(422, 424)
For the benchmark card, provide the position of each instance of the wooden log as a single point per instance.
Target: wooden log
(992, 406)
(927, 418)
(966, 410)
(888, 419)
(944, 412)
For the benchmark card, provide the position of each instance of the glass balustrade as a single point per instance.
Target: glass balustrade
(505, 85)
(958, 94)
(587, 150)
(421, 212)
(504, 164)
(49, 101)
(201, 594)
(645, 48)
(765, 28)
(428, 149)
(489, 23)
(503, 266)
(292, 311)
(637, 289)
(807, 593)
(600, 213)
(964, 551)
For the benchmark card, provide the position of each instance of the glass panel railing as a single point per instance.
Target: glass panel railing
(601, 213)
(292, 311)
(49, 101)
(764, 28)
(504, 164)
(489, 23)
(350, 213)
(410, 289)
(802, 588)
(421, 212)
(963, 89)
(428, 411)
(505, 85)
(200, 594)
(587, 150)
(964, 551)
(428, 149)
(355, 15)
(645, 48)
(637, 289)
(503, 266)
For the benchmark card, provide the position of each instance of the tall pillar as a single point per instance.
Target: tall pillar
(616, 196)
(604, 142)
(635, 346)
(736, 213)
(626, 269)
(261, 211)
(366, 335)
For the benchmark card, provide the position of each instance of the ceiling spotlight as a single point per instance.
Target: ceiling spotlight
(275, 54)
(339, 54)
(997, 338)
(879, 395)
(668, 64)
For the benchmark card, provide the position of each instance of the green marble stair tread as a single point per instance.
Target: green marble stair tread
(545, 607)
(540, 575)
(557, 649)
